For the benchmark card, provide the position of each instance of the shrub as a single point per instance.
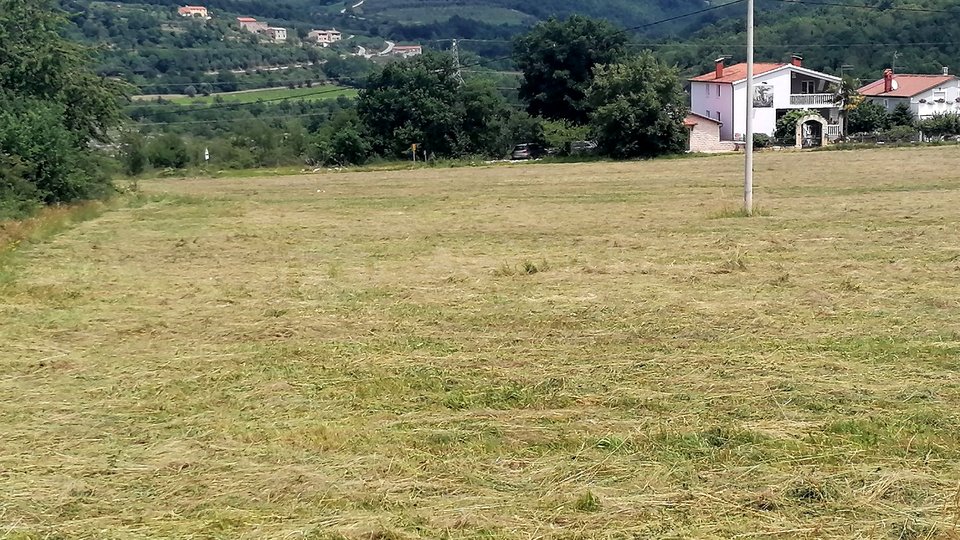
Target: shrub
(940, 125)
(762, 140)
(898, 134)
(787, 124)
(167, 151)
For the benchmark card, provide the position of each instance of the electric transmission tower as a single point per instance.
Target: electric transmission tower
(455, 51)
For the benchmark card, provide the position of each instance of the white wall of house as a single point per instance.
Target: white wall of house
(714, 100)
(948, 92)
(765, 118)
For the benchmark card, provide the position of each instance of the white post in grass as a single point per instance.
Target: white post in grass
(748, 144)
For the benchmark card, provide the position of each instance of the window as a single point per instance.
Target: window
(708, 114)
(808, 87)
(708, 90)
(718, 116)
(718, 90)
(937, 96)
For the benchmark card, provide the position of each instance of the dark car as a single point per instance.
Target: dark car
(582, 148)
(527, 151)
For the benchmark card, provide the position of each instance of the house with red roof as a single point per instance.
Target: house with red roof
(252, 25)
(778, 89)
(193, 11)
(926, 95)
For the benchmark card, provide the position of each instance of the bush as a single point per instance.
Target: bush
(941, 125)
(133, 154)
(898, 134)
(167, 151)
(867, 117)
(787, 124)
(762, 140)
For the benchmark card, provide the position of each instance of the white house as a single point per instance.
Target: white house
(926, 95)
(325, 37)
(276, 33)
(779, 88)
(406, 51)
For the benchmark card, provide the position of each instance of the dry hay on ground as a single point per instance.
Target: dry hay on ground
(551, 351)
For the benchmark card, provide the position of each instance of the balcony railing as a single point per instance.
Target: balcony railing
(807, 100)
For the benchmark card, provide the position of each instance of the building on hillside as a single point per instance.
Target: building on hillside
(406, 51)
(193, 11)
(324, 37)
(276, 33)
(926, 95)
(778, 89)
(704, 135)
(252, 25)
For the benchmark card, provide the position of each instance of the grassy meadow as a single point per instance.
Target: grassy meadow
(562, 351)
(315, 93)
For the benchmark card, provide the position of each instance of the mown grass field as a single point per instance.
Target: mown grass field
(315, 93)
(535, 351)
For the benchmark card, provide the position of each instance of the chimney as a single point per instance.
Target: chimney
(720, 61)
(887, 80)
(946, 70)
(796, 60)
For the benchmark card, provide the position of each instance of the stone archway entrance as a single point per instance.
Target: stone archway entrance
(811, 131)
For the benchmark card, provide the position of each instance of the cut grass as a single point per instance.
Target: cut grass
(551, 351)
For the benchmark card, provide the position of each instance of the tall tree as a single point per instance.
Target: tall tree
(52, 104)
(421, 101)
(639, 108)
(558, 58)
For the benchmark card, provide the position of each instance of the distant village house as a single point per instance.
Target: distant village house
(276, 33)
(325, 37)
(193, 11)
(252, 25)
(926, 95)
(406, 51)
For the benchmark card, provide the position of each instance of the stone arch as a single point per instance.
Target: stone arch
(816, 123)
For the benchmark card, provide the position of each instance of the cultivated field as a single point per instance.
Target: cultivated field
(511, 352)
(315, 93)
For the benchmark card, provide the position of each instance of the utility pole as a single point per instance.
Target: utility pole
(748, 146)
(455, 51)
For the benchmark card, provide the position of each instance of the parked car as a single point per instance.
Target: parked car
(527, 151)
(581, 148)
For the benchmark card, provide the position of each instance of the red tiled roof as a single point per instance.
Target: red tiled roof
(906, 85)
(693, 119)
(246, 19)
(737, 72)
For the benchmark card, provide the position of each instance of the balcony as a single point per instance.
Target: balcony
(812, 100)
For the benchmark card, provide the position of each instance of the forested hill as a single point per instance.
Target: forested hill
(917, 36)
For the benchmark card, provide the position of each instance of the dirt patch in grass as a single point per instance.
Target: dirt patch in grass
(555, 351)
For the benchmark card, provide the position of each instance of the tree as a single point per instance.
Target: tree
(867, 117)
(52, 106)
(133, 153)
(639, 107)
(902, 116)
(558, 58)
(847, 98)
(421, 101)
(190, 91)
